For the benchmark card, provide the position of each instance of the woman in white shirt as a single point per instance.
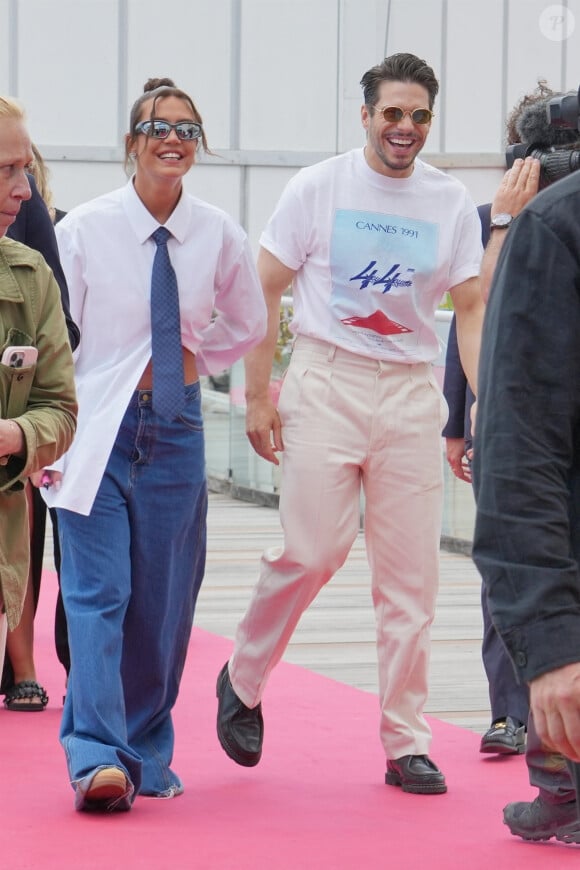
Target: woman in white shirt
(132, 500)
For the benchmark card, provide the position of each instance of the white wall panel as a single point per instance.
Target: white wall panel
(481, 183)
(5, 53)
(217, 184)
(532, 55)
(74, 183)
(363, 33)
(289, 75)
(572, 50)
(474, 113)
(264, 186)
(70, 87)
(190, 43)
(300, 64)
(416, 26)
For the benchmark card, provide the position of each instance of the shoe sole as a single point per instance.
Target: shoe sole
(502, 749)
(531, 839)
(19, 707)
(415, 787)
(231, 751)
(35, 702)
(569, 833)
(108, 784)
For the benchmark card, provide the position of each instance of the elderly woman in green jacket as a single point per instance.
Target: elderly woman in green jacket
(37, 395)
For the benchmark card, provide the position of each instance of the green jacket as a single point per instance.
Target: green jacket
(40, 398)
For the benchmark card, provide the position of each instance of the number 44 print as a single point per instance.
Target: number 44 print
(390, 279)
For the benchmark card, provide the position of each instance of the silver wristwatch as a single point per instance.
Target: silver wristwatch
(501, 221)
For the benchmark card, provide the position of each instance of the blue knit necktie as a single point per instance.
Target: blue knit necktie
(166, 353)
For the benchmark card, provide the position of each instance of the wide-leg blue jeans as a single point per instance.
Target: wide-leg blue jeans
(130, 575)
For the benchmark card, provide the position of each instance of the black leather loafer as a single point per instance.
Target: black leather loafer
(416, 774)
(240, 729)
(505, 737)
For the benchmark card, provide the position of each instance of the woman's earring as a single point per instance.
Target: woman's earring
(132, 155)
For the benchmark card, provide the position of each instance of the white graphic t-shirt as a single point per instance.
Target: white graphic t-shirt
(373, 254)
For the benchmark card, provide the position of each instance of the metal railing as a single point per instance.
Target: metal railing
(233, 465)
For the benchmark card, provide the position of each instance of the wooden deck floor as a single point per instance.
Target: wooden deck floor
(336, 636)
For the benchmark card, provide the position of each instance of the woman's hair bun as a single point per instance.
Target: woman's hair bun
(153, 84)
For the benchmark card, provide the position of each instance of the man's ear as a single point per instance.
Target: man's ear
(364, 116)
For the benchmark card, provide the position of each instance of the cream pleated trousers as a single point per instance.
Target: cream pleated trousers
(350, 421)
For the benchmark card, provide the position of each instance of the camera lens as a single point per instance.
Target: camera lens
(557, 164)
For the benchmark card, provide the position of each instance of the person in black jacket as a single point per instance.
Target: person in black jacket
(508, 698)
(526, 472)
(34, 227)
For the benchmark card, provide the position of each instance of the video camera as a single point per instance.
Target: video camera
(550, 132)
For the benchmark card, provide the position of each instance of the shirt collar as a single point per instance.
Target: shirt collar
(143, 222)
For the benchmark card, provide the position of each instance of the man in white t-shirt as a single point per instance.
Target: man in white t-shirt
(370, 241)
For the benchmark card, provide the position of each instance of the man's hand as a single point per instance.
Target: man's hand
(264, 429)
(263, 426)
(555, 704)
(519, 185)
(457, 459)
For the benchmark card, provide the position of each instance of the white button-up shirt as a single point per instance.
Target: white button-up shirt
(107, 254)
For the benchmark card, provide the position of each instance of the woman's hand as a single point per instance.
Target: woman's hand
(46, 477)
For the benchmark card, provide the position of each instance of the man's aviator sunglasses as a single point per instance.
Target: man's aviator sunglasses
(392, 114)
(187, 131)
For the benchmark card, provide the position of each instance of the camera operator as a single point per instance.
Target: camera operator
(542, 148)
(526, 469)
(532, 143)
(526, 127)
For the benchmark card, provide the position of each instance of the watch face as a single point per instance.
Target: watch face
(501, 220)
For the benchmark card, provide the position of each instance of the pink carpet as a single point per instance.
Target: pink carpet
(317, 799)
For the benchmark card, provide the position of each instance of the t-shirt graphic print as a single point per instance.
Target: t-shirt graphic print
(379, 266)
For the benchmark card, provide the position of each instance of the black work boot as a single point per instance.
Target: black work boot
(540, 820)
